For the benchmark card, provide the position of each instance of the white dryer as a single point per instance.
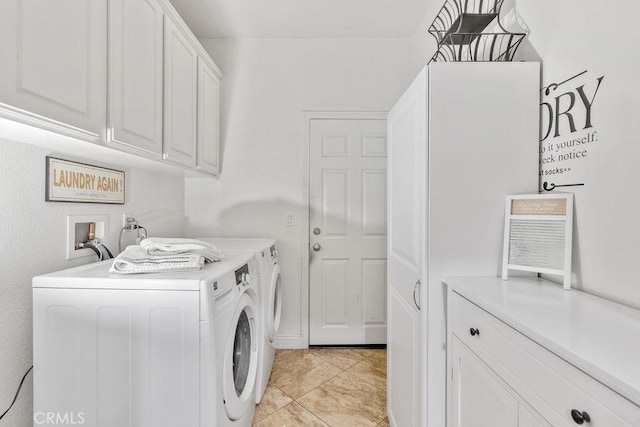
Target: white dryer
(269, 296)
(135, 350)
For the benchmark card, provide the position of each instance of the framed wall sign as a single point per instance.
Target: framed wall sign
(538, 235)
(69, 181)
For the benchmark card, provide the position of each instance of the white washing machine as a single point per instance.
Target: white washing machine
(138, 350)
(269, 296)
(238, 339)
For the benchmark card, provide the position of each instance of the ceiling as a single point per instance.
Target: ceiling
(302, 18)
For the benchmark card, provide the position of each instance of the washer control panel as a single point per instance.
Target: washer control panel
(243, 278)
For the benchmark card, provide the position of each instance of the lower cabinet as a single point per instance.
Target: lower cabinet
(501, 374)
(479, 399)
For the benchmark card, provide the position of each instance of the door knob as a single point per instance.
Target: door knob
(316, 247)
(316, 231)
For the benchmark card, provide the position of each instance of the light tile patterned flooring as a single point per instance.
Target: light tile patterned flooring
(325, 388)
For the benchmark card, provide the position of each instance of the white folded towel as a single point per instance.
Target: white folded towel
(134, 260)
(175, 246)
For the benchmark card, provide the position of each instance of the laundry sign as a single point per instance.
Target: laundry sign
(69, 181)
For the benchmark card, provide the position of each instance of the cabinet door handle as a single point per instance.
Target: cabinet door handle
(580, 417)
(474, 332)
(415, 288)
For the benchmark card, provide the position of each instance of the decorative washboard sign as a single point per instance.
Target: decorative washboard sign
(537, 235)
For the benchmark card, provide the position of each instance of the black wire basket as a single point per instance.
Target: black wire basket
(460, 29)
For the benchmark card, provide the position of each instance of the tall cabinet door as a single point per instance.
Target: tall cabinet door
(180, 97)
(208, 119)
(406, 253)
(135, 74)
(53, 56)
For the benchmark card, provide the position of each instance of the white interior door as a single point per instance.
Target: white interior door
(348, 265)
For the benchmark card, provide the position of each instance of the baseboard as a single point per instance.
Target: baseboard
(290, 342)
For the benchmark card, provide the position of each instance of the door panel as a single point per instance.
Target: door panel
(135, 73)
(53, 56)
(335, 203)
(479, 400)
(374, 292)
(348, 207)
(334, 285)
(180, 115)
(403, 389)
(208, 119)
(407, 254)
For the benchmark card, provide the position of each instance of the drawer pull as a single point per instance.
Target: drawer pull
(474, 332)
(580, 417)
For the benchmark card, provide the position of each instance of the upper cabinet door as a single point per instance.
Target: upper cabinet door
(135, 74)
(53, 60)
(208, 119)
(180, 97)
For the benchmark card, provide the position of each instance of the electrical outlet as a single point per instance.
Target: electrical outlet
(77, 232)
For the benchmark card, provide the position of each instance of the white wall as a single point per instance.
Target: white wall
(570, 37)
(600, 37)
(32, 241)
(267, 86)
(423, 44)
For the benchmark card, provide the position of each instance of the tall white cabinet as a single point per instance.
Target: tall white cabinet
(461, 137)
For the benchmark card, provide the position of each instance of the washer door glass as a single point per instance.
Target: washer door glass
(275, 303)
(241, 353)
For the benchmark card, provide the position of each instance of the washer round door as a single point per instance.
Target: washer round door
(240, 360)
(274, 309)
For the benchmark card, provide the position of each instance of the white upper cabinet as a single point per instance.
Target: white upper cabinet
(136, 74)
(125, 72)
(180, 97)
(53, 56)
(208, 118)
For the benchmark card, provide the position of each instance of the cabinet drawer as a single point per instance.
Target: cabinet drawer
(552, 386)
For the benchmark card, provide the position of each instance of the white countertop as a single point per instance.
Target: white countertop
(597, 336)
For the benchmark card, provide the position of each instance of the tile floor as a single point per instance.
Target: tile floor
(325, 388)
